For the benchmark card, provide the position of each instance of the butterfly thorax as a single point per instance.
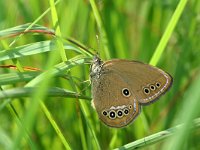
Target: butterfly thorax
(95, 67)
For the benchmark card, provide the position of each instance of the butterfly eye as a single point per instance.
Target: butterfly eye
(112, 114)
(104, 113)
(119, 113)
(126, 111)
(152, 87)
(157, 84)
(146, 90)
(126, 92)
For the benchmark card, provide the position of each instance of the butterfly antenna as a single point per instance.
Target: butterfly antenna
(98, 48)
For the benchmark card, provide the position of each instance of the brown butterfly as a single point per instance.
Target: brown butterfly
(120, 87)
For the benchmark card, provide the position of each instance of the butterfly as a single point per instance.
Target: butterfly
(120, 87)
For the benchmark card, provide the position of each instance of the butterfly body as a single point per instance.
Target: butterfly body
(120, 87)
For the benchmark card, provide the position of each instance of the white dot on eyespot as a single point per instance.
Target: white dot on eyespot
(119, 113)
(112, 114)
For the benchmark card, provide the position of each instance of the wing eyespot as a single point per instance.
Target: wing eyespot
(146, 90)
(112, 114)
(126, 111)
(119, 113)
(158, 84)
(152, 87)
(104, 113)
(126, 92)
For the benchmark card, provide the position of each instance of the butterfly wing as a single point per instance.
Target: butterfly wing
(146, 82)
(114, 109)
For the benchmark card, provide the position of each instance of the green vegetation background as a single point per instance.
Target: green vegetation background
(35, 118)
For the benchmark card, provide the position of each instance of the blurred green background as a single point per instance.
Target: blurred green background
(130, 30)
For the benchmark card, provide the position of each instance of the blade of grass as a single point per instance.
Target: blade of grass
(168, 32)
(36, 97)
(14, 61)
(86, 114)
(23, 29)
(32, 24)
(101, 28)
(20, 124)
(82, 132)
(13, 78)
(154, 138)
(59, 69)
(27, 91)
(55, 126)
(5, 140)
(32, 49)
(12, 108)
(193, 94)
(57, 30)
(59, 42)
(74, 62)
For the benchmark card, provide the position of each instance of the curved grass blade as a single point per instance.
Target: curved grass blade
(154, 138)
(5, 140)
(59, 69)
(32, 49)
(168, 32)
(13, 78)
(101, 28)
(55, 22)
(25, 28)
(188, 113)
(28, 91)
(54, 124)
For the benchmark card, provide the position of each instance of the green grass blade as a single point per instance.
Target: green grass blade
(126, 29)
(27, 92)
(12, 78)
(32, 49)
(192, 110)
(23, 29)
(157, 137)
(168, 32)
(59, 69)
(36, 97)
(5, 140)
(57, 30)
(55, 126)
(33, 23)
(89, 123)
(102, 31)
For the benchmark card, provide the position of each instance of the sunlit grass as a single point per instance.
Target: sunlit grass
(49, 107)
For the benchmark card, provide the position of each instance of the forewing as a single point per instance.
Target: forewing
(146, 82)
